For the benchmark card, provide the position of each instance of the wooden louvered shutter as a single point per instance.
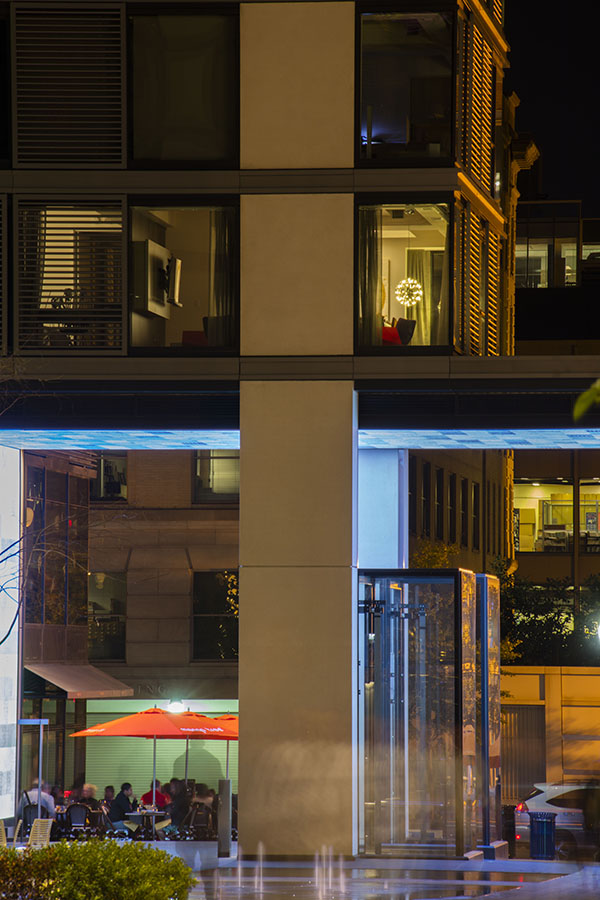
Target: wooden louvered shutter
(69, 279)
(481, 108)
(460, 293)
(68, 86)
(474, 280)
(498, 11)
(493, 301)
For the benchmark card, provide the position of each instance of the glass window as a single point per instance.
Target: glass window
(404, 293)
(412, 494)
(216, 611)
(405, 86)
(184, 285)
(33, 544)
(543, 516)
(439, 504)
(464, 512)
(217, 476)
(426, 499)
(452, 508)
(110, 482)
(184, 88)
(589, 516)
(107, 596)
(476, 513)
(531, 263)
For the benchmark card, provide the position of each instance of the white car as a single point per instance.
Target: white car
(573, 803)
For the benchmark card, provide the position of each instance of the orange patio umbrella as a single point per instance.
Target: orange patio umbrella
(158, 724)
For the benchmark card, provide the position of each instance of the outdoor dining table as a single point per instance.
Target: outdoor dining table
(147, 818)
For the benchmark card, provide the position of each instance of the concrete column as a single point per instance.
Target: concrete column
(297, 616)
(383, 509)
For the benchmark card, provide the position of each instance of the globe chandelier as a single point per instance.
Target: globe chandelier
(408, 292)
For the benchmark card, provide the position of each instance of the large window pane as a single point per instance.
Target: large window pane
(185, 88)
(110, 483)
(406, 86)
(107, 594)
(543, 516)
(217, 476)
(216, 612)
(184, 295)
(589, 516)
(404, 293)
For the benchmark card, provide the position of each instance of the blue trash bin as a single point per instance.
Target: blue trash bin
(542, 835)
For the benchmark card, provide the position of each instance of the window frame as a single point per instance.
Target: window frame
(404, 7)
(179, 9)
(182, 200)
(413, 199)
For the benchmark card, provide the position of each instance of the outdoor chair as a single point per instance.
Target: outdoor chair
(77, 820)
(3, 842)
(39, 836)
(17, 831)
(30, 814)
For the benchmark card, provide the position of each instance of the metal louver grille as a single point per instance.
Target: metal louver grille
(460, 292)
(68, 74)
(493, 295)
(69, 285)
(498, 11)
(480, 138)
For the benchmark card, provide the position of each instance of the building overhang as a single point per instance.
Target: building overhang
(80, 682)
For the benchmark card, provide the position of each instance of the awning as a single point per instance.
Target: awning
(81, 682)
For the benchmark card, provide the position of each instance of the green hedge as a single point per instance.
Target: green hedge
(97, 870)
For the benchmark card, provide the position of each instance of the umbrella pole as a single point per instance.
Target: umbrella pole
(227, 762)
(154, 774)
(187, 748)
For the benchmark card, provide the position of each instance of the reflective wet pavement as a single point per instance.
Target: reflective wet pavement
(386, 880)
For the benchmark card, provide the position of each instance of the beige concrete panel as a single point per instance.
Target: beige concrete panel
(221, 556)
(171, 654)
(296, 700)
(297, 291)
(158, 557)
(297, 85)
(580, 687)
(298, 473)
(142, 581)
(581, 720)
(537, 567)
(581, 757)
(554, 742)
(141, 631)
(155, 607)
(175, 629)
(520, 687)
(228, 536)
(174, 581)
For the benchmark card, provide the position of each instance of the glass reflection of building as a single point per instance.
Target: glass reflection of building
(418, 790)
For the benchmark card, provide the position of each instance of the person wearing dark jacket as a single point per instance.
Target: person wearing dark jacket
(180, 805)
(121, 806)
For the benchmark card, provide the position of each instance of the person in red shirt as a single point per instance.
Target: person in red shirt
(160, 800)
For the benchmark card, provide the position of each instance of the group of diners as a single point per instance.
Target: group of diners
(179, 801)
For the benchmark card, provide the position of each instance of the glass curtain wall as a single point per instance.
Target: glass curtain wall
(416, 712)
(404, 289)
(406, 87)
(489, 811)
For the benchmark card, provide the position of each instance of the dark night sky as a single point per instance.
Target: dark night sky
(555, 70)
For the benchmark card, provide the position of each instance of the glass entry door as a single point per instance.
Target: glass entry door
(416, 712)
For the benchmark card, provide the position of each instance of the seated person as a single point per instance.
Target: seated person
(121, 806)
(109, 795)
(30, 798)
(88, 796)
(180, 804)
(160, 799)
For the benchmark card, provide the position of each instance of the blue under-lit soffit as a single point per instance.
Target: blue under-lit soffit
(384, 439)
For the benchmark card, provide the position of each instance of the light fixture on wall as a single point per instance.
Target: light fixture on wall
(408, 292)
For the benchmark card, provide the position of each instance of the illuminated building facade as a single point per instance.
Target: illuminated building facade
(286, 218)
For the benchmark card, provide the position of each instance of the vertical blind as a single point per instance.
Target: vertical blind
(68, 86)
(478, 104)
(69, 285)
